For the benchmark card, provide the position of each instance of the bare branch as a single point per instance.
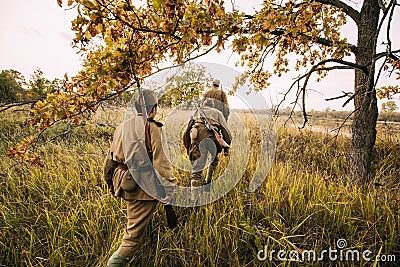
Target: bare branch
(350, 65)
(390, 22)
(318, 40)
(290, 117)
(390, 7)
(185, 61)
(391, 55)
(139, 29)
(383, 7)
(343, 62)
(345, 94)
(381, 69)
(18, 104)
(350, 98)
(351, 12)
(316, 68)
(337, 130)
(60, 134)
(303, 106)
(297, 80)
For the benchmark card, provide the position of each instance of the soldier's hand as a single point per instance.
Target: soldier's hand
(167, 200)
(111, 190)
(226, 153)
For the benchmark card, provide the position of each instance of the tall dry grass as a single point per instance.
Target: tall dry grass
(61, 215)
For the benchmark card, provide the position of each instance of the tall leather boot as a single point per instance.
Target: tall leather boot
(117, 260)
(210, 172)
(211, 169)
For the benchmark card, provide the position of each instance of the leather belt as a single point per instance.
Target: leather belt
(143, 168)
(122, 167)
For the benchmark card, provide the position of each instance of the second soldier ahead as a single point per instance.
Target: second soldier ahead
(207, 133)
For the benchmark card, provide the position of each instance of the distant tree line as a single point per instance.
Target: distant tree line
(386, 114)
(15, 88)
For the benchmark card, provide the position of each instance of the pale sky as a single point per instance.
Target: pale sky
(36, 34)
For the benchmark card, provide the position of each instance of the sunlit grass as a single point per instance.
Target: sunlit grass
(61, 215)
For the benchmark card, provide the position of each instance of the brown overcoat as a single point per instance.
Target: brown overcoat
(222, 101)
(129, 145)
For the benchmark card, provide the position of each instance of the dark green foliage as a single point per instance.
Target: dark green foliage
(181, 88)
(10, 89)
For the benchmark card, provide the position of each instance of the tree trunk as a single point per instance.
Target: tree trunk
(365, 102)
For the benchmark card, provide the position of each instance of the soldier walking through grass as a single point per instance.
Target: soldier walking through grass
(132, 169)
(200, 141)
(219, 95)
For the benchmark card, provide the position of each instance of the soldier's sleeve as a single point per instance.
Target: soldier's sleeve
(225, 99)
(160, 160)
(114, 156)
(109, 166)
(186, 135)
(226, 105)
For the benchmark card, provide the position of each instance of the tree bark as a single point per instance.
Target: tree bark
(365, 102)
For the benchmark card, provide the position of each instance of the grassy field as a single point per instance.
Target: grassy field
(61, 215)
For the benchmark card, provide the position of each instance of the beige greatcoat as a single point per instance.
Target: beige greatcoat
(129, 145)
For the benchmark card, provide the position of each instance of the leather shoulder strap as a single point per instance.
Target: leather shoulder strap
(148, 141)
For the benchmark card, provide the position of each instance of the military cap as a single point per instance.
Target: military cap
(150, 99)
(216, 82)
